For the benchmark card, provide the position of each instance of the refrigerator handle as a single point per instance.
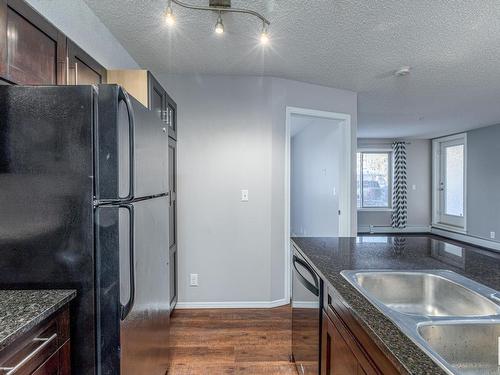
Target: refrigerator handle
(125, 309)
(122, 95)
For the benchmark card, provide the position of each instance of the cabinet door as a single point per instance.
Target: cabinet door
(336, 356)
(82, 68)
(57, 364)
(171, 117)
(3, 38)
(172, 178)
(35, 49)
(157, 98)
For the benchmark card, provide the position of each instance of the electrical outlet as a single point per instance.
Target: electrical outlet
(193, 279)
(492, 235)
(244, 195)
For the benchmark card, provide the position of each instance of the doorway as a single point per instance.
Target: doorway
(449, 170)
(318, 176)
(315, 157)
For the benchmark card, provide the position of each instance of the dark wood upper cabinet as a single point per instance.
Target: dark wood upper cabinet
(34, 50)
(171, 117)
(3, 38)
(157, 97)
(82, 68)
(143, 86)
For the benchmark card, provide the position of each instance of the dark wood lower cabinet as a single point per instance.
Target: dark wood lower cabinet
(337, 357)
(346, 348)
(44, 350)
(57, 364)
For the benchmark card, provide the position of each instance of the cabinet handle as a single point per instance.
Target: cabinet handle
(164, 116)
(45, 342)
(67, 70)
(76, 73)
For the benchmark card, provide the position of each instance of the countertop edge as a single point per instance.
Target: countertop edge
(39, 318)
(393, 357)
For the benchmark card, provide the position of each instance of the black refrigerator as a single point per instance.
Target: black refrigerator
(84, 205)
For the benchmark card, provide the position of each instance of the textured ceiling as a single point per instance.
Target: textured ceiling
(452, 45)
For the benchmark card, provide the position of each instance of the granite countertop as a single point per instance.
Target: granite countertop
(330, 256)
(21, 310)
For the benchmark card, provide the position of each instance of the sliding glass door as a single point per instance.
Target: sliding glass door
(449, 181)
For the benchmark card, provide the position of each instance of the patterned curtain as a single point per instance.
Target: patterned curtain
(400, 187)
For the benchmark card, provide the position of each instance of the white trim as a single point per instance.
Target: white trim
(364, 229)
(436, 176)
(306, 304)
(346, 177)
(375, 209)
(448, 228)
(374, 150)
(492, 245)
(233, 305)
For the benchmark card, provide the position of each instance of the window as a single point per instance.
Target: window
(449, 176)
(374, 171)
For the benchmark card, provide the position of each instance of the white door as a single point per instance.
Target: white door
(451, 181)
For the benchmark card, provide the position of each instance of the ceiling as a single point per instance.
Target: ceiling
(453, 47)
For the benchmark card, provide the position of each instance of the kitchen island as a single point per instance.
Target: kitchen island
(358, 316)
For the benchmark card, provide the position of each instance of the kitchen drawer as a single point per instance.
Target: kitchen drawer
(39, 348)
(57, 364)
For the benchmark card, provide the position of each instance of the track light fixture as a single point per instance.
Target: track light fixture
(219, 26)
(264, 35)
(169, 14)
(220, 6)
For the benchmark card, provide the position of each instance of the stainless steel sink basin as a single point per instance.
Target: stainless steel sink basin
(468, 347)
(453, 319)
(422, 293)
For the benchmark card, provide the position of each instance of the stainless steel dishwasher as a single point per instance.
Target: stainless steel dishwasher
(306, 315)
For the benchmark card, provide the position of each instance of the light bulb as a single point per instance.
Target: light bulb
(264, 35)
(219, 26)
(169, 15)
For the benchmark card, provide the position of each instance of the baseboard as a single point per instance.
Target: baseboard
(305, 304)
(366, 229)
(233, 304)
(477, 241)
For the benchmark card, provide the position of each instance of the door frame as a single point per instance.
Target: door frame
(345, 193)
(436, 177)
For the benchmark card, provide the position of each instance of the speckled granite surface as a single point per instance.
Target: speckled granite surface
(329, 256)
(21, 310)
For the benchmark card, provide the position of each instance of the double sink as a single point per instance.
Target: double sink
(455, 320)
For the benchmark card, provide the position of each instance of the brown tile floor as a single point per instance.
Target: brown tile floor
(231, 342)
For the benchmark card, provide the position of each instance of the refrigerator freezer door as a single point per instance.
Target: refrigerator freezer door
(133, 313)
(132, 148)
(46, 193)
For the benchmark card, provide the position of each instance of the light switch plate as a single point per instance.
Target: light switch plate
(193, 279)
(244, 195)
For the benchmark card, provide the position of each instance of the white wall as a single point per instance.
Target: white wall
(315, 178)
(231, 136)
(419, 164)
(75, 19)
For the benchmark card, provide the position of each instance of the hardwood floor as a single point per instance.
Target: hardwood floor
(231, 342)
